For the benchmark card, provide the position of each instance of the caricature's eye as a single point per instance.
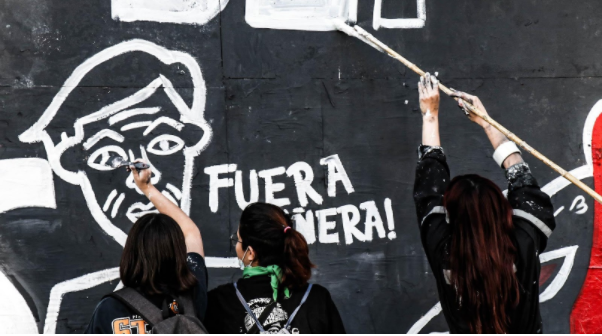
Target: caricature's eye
(165, 144)
(99, 159)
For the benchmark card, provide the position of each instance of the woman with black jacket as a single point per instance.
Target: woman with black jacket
(483, 248)
(274, 294)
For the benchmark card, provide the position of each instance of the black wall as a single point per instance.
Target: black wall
(278, 97)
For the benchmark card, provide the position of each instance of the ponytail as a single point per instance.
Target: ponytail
(270, 232)
(296, 268)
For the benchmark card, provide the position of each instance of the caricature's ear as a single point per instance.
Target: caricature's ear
(550, 261)
(74, 158)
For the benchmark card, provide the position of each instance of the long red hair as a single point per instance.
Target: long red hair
(481, 253)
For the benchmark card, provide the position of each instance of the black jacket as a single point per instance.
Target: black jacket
(533, 218)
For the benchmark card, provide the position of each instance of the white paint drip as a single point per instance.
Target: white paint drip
(26, 183)
(350, 216)
(373, 220)
(123, 115)
(172, 11)
(379, 21)
(303, 183)
(311, 15)
(238, 189)
(325, 225)
(271, 188)
(15, 315)
(215, 183)
(336, 172)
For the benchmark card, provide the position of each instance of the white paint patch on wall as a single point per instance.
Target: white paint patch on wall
(312, 15)
(171, 11)
(26, 183)
(418, 22)
(15, 315)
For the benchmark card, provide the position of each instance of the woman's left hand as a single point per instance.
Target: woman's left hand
(428, 89)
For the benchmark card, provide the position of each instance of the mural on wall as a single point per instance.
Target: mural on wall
(360, 230)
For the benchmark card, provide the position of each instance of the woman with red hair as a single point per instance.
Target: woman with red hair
(483, 248)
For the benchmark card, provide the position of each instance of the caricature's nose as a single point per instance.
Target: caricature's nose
(156, 174)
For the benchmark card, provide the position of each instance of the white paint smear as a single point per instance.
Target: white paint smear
(312, 15)
(15, 314)
(26, 183)
(418, 22)
(174, 11)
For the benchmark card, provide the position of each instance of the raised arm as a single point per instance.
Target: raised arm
(496, 137)
(192, 234)
(428, 89)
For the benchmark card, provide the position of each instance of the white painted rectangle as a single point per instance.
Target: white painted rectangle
(197, 12)
(26, 183)
(311, 15)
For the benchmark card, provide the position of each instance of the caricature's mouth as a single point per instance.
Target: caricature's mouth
(140, 209)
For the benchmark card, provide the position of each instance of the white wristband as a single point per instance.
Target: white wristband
(504, 151)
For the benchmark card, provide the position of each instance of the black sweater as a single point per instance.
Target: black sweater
(533, 218)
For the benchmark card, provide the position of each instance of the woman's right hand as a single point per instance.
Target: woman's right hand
(141, 177)
(428, 91)
(474, 101)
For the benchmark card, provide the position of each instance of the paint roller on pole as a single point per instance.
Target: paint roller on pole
(367, 38)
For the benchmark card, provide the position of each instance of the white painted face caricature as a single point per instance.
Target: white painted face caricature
(134, 127)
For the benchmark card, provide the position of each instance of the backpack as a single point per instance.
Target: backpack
(258, 327)
(186, 322)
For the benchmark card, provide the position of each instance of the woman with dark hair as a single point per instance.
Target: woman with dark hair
(163, 261)
(483, 248)
(273, 295)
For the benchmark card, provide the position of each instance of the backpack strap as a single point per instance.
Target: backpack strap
(138, 303)
(290, 319)
(249, 311)
(187, 305)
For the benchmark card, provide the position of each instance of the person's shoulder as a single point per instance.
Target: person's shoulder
(110, 305)
(318, 292)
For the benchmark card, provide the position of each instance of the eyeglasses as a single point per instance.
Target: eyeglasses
(234, 240)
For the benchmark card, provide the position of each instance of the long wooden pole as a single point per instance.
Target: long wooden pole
(485, 117)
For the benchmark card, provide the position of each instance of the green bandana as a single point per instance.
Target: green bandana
(273, 271)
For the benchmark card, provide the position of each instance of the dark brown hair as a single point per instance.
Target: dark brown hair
(154, 257)
(481, 253)
(262, 227)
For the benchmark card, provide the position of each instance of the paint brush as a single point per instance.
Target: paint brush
(118, 162)
(368, 38)
(345, 28)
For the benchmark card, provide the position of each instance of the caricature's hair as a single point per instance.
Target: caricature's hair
(154, 257)
(481, 253)
(262, 226)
